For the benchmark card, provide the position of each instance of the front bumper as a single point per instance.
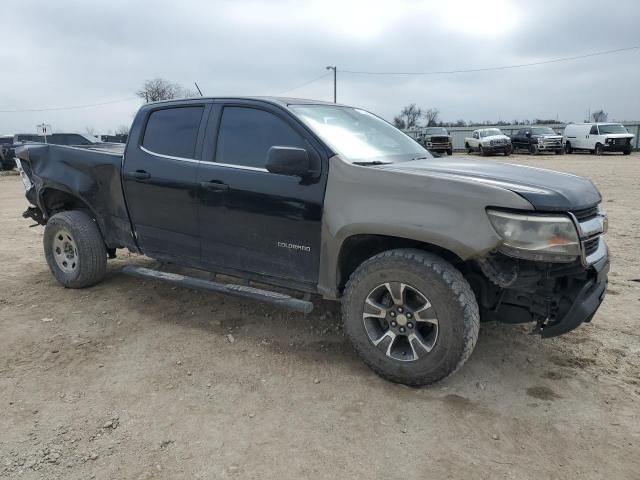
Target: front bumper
(608, 147)
(585, 305)
(500, 148)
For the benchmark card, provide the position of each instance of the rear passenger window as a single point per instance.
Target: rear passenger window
(594, 130)
(173, 131)
(247, 134)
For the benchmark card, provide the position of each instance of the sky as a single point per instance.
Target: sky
(72, 53)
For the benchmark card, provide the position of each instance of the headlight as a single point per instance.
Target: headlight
(551, 238)
(540, 140)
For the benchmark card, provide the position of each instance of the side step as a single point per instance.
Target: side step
(279, 299)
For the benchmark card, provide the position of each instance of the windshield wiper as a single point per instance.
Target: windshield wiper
(372, 162)
(419, 158)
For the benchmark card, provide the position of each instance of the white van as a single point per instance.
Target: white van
(597, 138)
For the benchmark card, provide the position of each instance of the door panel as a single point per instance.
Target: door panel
(257, 221)
(160, 183)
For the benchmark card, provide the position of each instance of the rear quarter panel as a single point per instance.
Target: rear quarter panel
(89, 175)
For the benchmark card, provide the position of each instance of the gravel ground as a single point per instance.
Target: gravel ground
(139, 380)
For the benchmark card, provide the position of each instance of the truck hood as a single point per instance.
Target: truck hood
(548, 135)
(618, 135)
(495, 137)
(546, 190)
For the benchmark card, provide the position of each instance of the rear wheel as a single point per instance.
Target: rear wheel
(411, 316)
(74, 249)
(568, 148)
(599, 149)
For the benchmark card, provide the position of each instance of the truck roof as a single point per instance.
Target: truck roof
(283, 101)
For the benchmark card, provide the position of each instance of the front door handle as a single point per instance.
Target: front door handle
(138, 175)
(215, 186)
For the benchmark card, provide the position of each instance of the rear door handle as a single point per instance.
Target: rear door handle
(215, 186)
(138, 175)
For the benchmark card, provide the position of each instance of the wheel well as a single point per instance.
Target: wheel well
(57, 200)
(358, 248)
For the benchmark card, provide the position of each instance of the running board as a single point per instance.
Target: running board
(279, 299)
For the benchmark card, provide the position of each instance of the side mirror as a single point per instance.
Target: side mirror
(528, 134)
(290, 161)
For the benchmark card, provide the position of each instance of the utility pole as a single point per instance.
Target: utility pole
(335, 86)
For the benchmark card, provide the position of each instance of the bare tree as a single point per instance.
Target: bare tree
(410, 115)
(160, 89)
(122, 130)
(399, 122)
(91, 131)
(432, 116)
(599, 116)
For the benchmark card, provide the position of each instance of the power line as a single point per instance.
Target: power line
(504, 67)
(72, 107)
(305, 83)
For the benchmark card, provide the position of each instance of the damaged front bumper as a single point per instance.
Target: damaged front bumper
(585, 304)
(557, 297)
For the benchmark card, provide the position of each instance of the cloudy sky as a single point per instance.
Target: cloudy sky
(70, 53)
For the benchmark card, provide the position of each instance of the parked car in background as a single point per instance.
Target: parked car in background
(331, 200)
(6, 162)
(436, 139)
(487, 141)
(120, 138)
(10, 144)
(71, 139)
(536, 139)
(597, 138)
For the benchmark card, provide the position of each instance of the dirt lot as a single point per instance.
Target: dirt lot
(139, 380)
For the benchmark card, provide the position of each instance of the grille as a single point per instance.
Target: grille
(439, 139)
(586, 213)
(591, 245)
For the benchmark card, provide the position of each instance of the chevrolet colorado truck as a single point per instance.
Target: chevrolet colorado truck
(319, 198)
(487, 141)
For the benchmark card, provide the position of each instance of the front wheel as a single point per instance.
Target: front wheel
(560, 152)
(568, 148)
(599, 149)
(469, 149)
(627, 151)
(533, 149)
(481, 150)
(74, 249)
(450, 152)
(411, 316)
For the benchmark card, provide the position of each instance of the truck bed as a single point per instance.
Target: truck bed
(92, 173)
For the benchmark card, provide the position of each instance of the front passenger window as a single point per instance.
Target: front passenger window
(246, 135)
(594, 130)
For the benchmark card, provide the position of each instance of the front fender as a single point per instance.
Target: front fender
(442, 210)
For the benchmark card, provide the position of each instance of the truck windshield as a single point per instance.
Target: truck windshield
(358, 135)
(489, 132)
(612, 128)
(436, 131)
(542, 131)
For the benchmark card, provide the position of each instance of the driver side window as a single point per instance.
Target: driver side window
(247, 134)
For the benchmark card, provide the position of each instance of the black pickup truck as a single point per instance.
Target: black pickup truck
(537, 139)
(328, 199)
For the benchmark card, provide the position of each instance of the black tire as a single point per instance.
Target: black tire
(533, 149)
(560, 152)
(450, 152)
(469, 149)
(451, 297)
(598, 150)
(568, 148)
(481, 151)
(627, 151)
(86, 261)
